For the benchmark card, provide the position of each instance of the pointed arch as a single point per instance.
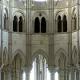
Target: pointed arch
(61, 61)
(74, 56)
(20, 20)
(19, 13)
(17, 66)
(5, 18)
(20, 53)
(39, 52)
(15, 21)
(17, 62)
(39, 63)
(74, 22)
(61, 58)
(64, 23)
(37, 25)
(20, 24)
(5, 55)
(59, 24)
(43, 25)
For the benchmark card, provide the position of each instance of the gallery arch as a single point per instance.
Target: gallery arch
(43, 25)
(64, 24)
(59, 24)
(20, 24)
(37, 25)
(40, 25)
(15, 23)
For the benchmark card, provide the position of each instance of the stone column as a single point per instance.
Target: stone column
(28, 59)
(78, 32)
(37, 69)
(77, 75)
(51, 58)
(52, 73)
(27, 73)
(43, 70)
(70, 34)
(0, 74)
(9, 75)
(74, 75)
(51, 16)
(69, 78)
(28, 16)
(52, 76)
(67, 75)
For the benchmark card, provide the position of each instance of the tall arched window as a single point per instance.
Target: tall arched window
(16, 65)
(75, 23)
(5, 18)
(15, 24)
(5, 21)
(64, 24)
(20, 23)
(39, 69)
(43, 25)
(59, 24)
(37, 25)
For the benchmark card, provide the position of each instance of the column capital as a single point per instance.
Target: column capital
(26, 69)
(53, 69)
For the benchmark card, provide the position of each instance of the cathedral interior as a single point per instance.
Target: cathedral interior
(39, 40)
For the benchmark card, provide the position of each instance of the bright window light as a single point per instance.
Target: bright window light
(32, 73)
(40, 0)
(48, 75)
(56, 76)
(24, 76)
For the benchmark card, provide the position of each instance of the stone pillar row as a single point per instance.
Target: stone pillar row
(63, 74)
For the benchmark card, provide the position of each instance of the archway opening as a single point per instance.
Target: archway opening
(20, 24)
(61, 64)
(40, 69)
(16, 67)
(59, 24)
(15, 21)
(37, 25)
(64, 23)
(43, 25)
